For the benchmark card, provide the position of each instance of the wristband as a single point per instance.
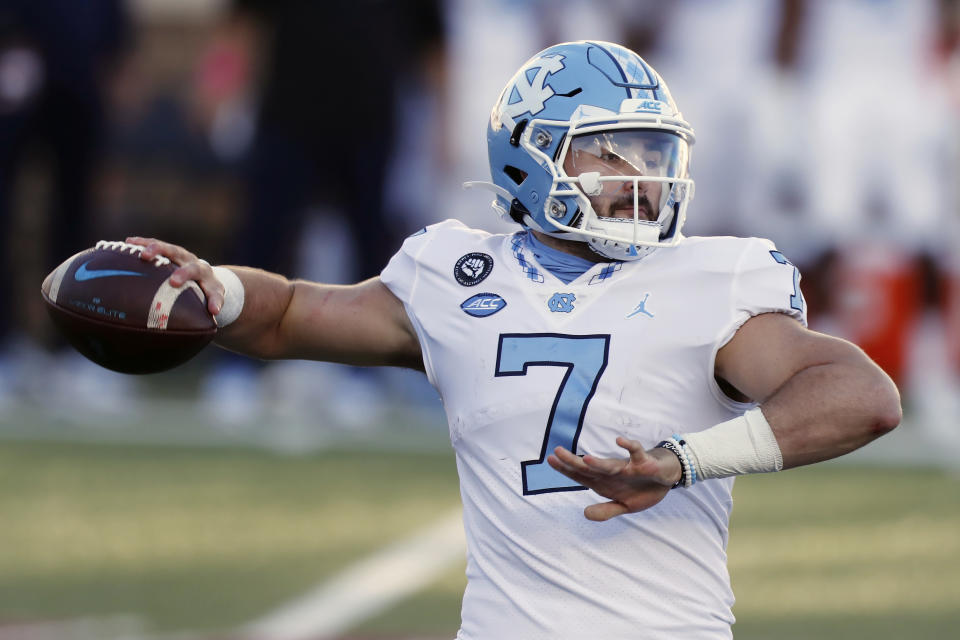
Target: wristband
(233, 296)
(735, 447)
(676, 445)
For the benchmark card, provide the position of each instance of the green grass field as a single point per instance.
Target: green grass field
(205, 539)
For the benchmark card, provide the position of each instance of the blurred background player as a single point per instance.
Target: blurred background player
(822, 154)
(866, 185)
(311, 184)
(58, 60)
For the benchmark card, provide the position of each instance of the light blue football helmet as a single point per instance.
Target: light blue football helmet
(576, 97)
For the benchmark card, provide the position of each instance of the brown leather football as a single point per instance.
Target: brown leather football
(122, 313)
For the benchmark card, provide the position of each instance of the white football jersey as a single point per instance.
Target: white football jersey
(524, 363)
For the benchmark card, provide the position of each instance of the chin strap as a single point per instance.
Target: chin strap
(479, 184)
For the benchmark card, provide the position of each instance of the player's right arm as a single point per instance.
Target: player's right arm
(360, 324)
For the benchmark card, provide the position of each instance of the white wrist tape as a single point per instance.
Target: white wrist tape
(735, 447)
(233, 296)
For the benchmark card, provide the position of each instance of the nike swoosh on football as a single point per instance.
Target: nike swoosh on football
(83, 273)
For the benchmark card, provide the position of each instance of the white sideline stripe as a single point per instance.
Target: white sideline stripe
(368, 587)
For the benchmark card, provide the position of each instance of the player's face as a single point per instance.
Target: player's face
(620, 153)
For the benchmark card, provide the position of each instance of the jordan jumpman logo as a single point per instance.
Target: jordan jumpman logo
(641, 308)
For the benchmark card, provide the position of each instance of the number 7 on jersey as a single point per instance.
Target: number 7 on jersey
(584, 358)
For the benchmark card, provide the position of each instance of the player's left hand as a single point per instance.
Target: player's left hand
(632, 484)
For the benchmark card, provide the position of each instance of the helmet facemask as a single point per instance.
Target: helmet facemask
(630, 185)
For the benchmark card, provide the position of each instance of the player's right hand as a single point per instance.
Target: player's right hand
(190, 268)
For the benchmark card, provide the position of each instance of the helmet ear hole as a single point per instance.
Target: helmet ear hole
(515, 174)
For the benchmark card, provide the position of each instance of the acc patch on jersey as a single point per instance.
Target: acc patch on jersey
(472, 268)
(483, 305)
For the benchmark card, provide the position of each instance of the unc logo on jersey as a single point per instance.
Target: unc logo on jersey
(483, 305)
(561, 302)
(529, 92)
(472, 268)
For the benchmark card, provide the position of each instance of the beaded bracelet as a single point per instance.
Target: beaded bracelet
(674, 446)
(692, 475)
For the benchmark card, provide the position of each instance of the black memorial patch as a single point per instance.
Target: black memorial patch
(473, 268)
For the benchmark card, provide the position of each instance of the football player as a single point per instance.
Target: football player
(595, 363)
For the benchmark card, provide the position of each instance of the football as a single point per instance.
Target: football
(121, 311)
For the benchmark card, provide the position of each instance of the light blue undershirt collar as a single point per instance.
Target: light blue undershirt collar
(564, 266)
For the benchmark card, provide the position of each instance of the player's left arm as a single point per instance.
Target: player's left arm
(822, 396)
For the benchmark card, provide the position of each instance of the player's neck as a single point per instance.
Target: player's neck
(574, 248)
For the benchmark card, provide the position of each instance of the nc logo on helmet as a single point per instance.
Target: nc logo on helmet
(528, 91)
